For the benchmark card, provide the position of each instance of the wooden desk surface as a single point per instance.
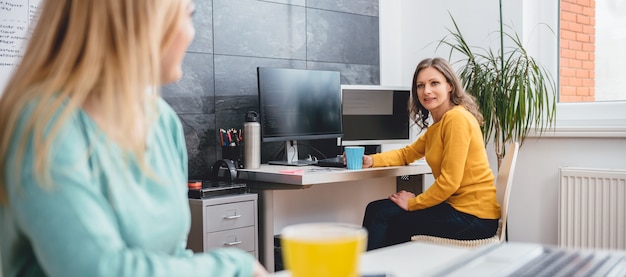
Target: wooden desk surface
(311, 175)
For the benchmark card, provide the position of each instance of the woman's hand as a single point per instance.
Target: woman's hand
(401, 199)
(367, 161)
(258, 270)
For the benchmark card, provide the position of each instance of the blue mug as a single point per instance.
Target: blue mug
(354, 157)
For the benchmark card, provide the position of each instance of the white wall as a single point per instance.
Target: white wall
(423, 24)
(534, 198)
(586, 135)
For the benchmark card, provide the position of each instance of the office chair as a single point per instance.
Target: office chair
(504, 180)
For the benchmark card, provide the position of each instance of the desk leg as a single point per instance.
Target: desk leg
(266, 229)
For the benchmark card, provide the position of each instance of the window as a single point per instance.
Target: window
(592, 39)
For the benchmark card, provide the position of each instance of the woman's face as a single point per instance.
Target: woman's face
(172, 59)
(433, 91)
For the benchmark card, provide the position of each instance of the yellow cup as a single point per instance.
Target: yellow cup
(323, 249)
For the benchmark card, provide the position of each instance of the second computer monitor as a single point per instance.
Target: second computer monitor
(375, 115)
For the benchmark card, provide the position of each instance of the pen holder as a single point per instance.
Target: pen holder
(232, 153)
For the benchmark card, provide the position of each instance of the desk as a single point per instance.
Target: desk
(405, 260)
(507, 259)
(332, 194)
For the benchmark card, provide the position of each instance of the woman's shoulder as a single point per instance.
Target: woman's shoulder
(43, 112)
(165, 112)
(168, 120)
(58, 130)
(164, 107)
(457, 112)
(459, 116)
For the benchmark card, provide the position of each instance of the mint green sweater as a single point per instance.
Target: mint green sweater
(103, 216)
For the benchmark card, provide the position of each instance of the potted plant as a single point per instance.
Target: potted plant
(515, 94)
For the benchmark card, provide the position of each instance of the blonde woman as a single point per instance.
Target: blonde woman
(93, 166)
(461, 203)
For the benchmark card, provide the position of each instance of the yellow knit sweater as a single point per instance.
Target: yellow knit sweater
(455, 151)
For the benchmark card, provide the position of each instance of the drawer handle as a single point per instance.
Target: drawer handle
(232, 243)
(232, 216)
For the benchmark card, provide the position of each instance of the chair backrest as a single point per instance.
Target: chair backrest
(504, 182)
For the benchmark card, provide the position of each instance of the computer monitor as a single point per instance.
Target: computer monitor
(298, 104)
(375, 115)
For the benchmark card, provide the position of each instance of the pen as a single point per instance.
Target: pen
(236, 137)
(221, 137)
(224, 137)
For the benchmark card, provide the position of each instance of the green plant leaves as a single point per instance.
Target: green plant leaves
(515, 94)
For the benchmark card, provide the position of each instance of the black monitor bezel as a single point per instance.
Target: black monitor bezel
(338, 133)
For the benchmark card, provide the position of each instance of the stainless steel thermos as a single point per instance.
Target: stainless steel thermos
(252, 141)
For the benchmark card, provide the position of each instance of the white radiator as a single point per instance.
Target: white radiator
(592, 208)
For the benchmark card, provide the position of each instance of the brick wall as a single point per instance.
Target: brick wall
(577, 51)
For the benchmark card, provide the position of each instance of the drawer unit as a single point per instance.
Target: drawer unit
(224, 221)
(242, 238)
(229, 216)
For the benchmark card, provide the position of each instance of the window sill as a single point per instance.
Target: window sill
(591, 120)
(582, 132)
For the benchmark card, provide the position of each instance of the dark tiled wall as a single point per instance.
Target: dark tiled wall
(233, 38)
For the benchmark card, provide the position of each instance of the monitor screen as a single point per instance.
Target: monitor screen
(298, 104)
(375, 116)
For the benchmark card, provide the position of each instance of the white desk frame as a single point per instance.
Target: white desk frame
(269, 178)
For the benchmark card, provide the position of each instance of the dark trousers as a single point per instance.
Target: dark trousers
(388, 224)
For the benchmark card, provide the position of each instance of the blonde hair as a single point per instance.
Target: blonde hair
(107, 52)
(458, 96)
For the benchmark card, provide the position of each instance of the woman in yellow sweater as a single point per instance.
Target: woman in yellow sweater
(461, 203)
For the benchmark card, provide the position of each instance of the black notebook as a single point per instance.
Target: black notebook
(331, 162)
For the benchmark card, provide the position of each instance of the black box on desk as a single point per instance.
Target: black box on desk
(217, 188)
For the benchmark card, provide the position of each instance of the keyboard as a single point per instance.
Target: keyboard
(331, 162)
(292, 163)
(532, 260)
(561, 262)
